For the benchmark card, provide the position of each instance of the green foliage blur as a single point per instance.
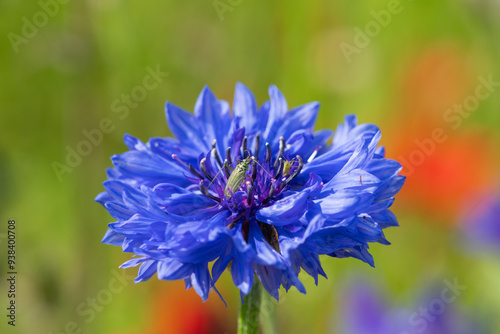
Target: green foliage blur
(67, 69)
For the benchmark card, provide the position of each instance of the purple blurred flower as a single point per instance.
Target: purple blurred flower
(257, 190)
(366, 310)
(481, 221)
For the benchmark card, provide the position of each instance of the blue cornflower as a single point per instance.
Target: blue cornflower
(256, 190)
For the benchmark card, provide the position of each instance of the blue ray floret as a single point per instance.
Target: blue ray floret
(256, 190)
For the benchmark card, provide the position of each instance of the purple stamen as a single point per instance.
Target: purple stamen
(281, 151)
(249, 193)
(268, 153)
(228, 156)
(244, 147)
(206, 193)
(257, 145)
(195, 172)
(204, 170)
(254, 171)
(215, 155)
(227, 173)
(182, 163)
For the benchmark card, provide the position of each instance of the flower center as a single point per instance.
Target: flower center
(242, 182)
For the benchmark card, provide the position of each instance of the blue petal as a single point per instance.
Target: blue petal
(115, 188)
(291, 208)
(285, 211)
(356, 179)
(165, 147)
(141, 205)
(379, 152)
(348, 138)
(198, 251)
(264, 115)
(112, 238)
(103, 197)
(358, 159)
(343, 204)
(277, 111)
(134, 143)
(245, 107)
(265, 253)
(390, 188)
(214, 119)
(133, 262)
(300, 143)
(235, 144)
(129, 245)
(351, 131)
(185, 127)
(200, 279)
(328, 240)
(299, 118)
(289, 278)
(270, 278)
(179, 201)
(147, 269)
(119, 211)
(132, 229)
(326, 165)
(308, 261)
(360, 253)
(380, 206)
(304, 143)
(385, 218)
(113, 173)
(237, 248)
(383, 168)
(221, 263)
(242, 273)
(171, 269)
(368, 229)
(143, 165)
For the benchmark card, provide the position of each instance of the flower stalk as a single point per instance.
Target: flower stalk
(248, 320)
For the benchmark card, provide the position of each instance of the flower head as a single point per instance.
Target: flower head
(256, 190)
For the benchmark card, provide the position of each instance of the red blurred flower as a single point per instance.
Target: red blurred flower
(443, 165)
(179, 311)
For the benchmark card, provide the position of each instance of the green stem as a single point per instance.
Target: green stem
(268, 312)
(248, 320)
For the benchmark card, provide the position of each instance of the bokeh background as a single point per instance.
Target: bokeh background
(65, 67)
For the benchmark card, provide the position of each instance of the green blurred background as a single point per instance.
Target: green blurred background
(62, 75)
